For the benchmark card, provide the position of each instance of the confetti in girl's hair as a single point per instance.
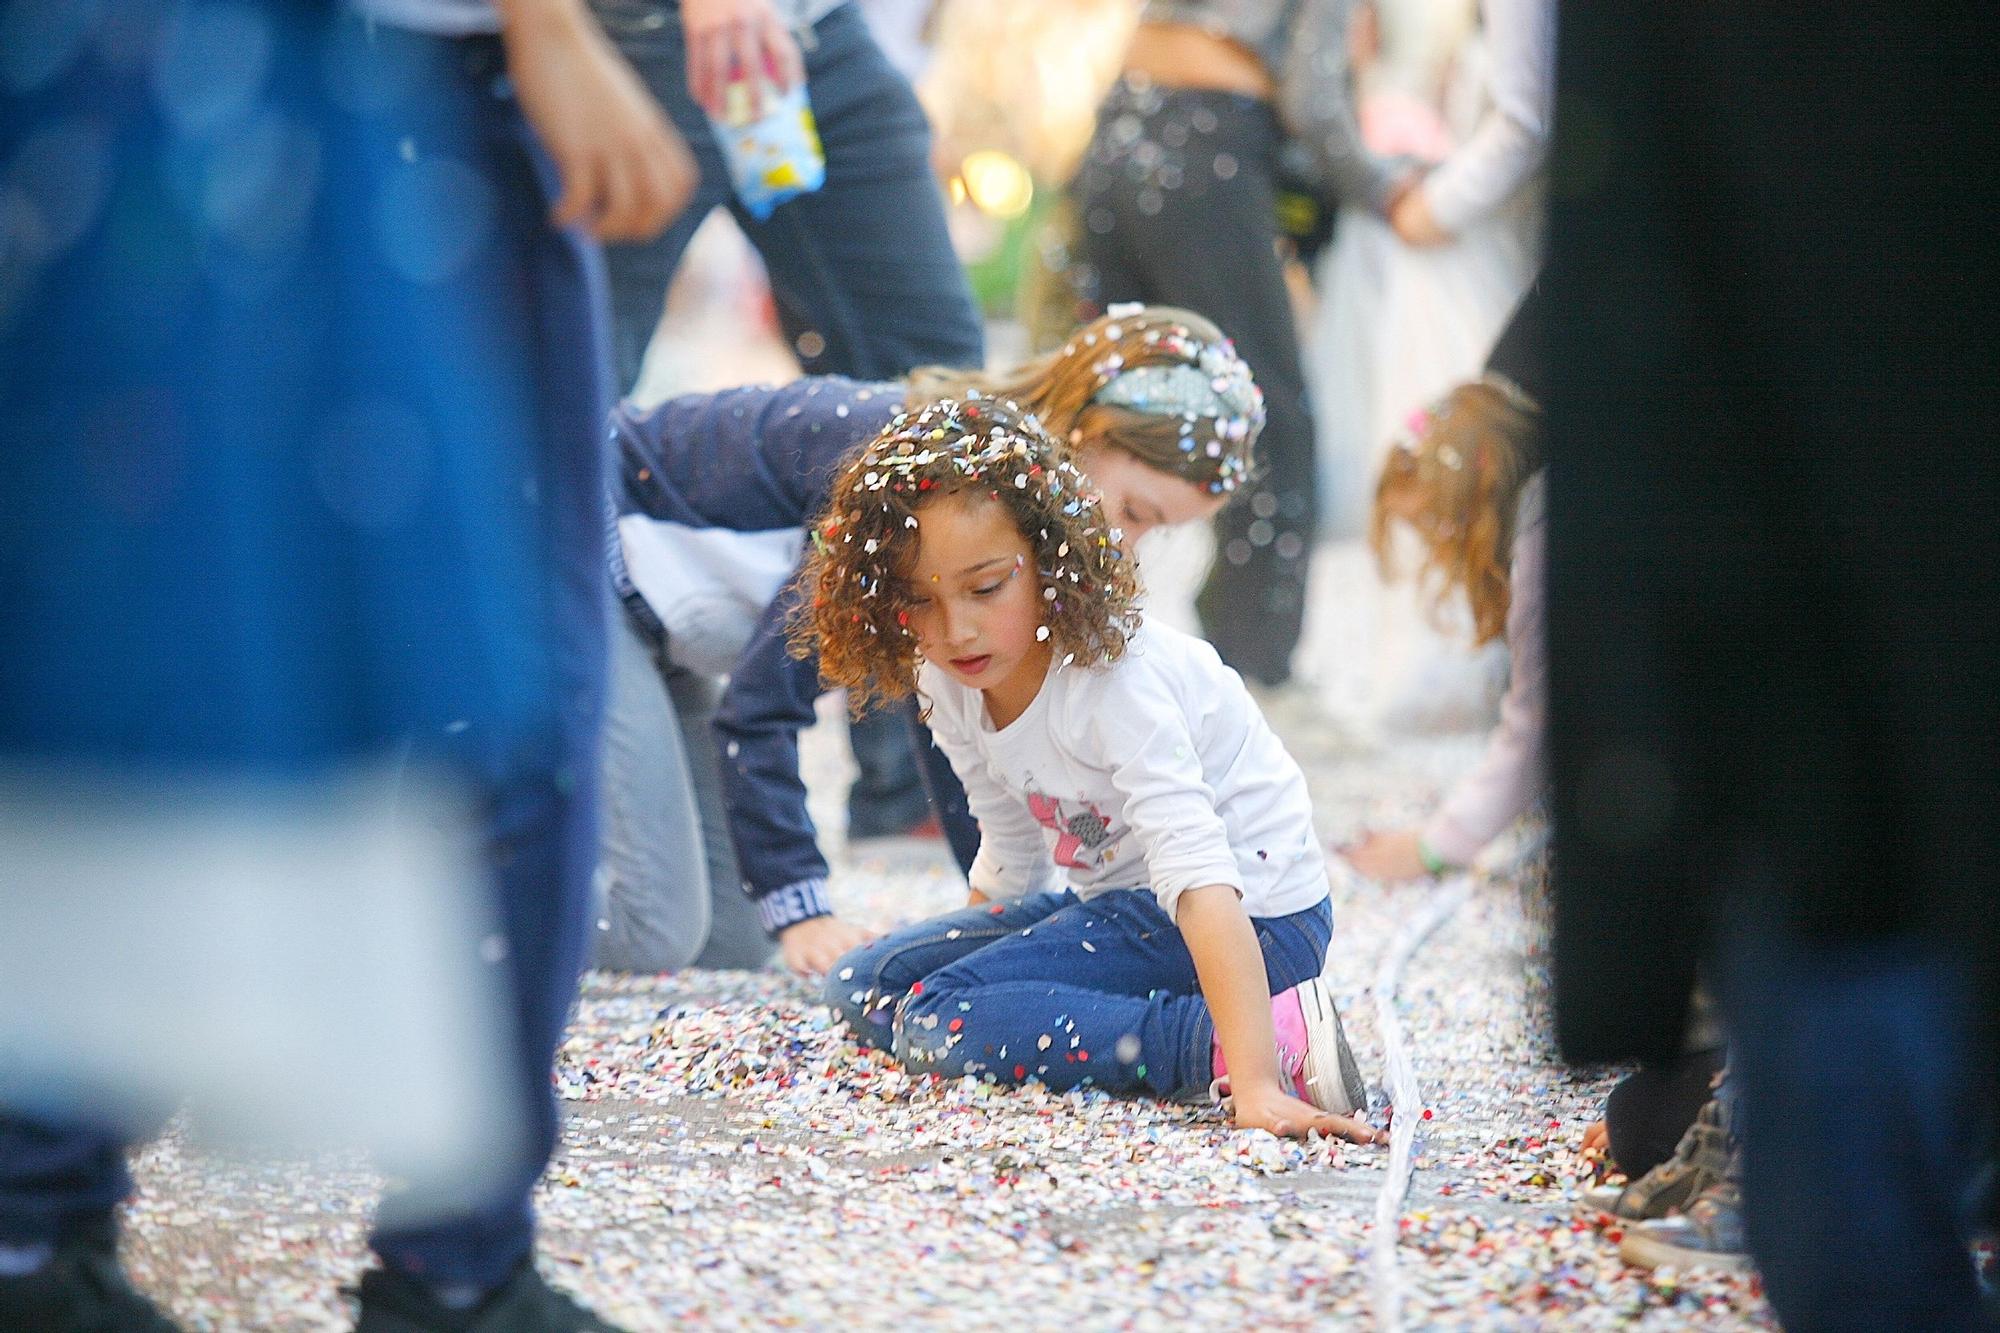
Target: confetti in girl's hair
(856, 602)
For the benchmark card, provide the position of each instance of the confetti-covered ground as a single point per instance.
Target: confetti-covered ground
(731, 1161)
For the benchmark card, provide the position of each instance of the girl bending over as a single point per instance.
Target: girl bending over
(1470, 482)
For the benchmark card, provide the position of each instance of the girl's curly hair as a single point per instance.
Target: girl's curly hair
(854, 605)
(1459, 479)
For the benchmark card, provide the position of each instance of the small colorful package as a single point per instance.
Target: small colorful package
(775, 156)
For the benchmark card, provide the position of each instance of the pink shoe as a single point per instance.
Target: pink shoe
(1313, 1054)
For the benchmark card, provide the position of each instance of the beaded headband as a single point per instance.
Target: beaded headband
(1220, 407)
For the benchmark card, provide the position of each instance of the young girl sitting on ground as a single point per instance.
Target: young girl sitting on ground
(965, 558)
(1470, 483)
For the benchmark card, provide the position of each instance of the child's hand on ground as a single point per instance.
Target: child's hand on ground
(1387, 856)
(811, 947)
(1280, 1113)
(1596, 1138)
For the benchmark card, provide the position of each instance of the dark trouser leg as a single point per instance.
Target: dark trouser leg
(864, 265)
(888, 796)
(1178, 209)
(961, 830)
(1651, 1108)
(648, 34)
(1859, 1117)
(865, 273)
(544, 299)
(57, 1182)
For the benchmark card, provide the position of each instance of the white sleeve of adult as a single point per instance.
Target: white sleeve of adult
(1511, 141)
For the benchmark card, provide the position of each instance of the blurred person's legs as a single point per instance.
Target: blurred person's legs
(541, 298)
(1178, 207)
(863, 267)
(418, 554)
(1861, 1114)
(666, 877)
(888, 795)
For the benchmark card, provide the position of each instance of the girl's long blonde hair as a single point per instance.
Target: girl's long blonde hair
(1064, 388)
(1458, 482)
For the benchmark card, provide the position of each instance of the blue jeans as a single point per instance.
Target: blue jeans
(668, 894)
(511, 326)
(1061, 991)
(862, 268)
(1859, 1110)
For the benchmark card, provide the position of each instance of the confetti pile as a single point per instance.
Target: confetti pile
(731, 1161)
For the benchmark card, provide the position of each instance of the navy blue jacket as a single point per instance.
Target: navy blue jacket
(749, 460)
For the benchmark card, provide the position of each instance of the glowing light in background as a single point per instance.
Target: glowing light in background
(997, 184)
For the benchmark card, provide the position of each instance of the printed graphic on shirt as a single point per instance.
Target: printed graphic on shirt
(1085, 839)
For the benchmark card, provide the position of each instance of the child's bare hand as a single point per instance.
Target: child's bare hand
(1596, 1138)
(813, 946)
(1280, 1113)
(1387, 856)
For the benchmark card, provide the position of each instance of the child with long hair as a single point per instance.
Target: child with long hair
(713, 497)
(966, 559)
(1469, 482)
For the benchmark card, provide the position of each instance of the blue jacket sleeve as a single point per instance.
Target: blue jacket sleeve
(747, 459)
(769, 701)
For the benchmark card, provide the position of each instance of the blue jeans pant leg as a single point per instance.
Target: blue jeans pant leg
(888, 796)
(867, 984)
(1102, 993)
(648, 34)
(1853, 1230)
(651, 892)
(544, 300)
(865, 263)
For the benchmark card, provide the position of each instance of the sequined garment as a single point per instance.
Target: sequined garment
(1303, 44)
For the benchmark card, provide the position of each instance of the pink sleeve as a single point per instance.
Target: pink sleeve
(1511, 771)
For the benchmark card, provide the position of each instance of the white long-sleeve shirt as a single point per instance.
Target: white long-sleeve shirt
(1155, 771)
(1511, 140)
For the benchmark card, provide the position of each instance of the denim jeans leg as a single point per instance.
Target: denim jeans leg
(542, 293)
(1825, 1035)
(865, 263)
(1101, 993)
(888, 796)
(652, 887)
(648, 34)
(866, 985)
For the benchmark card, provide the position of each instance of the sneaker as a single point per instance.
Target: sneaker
(1709, 1235)
(1700, 1159)
(1324, 1068)
(80, 1290)
(392, 1302)
(1313, 1055)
